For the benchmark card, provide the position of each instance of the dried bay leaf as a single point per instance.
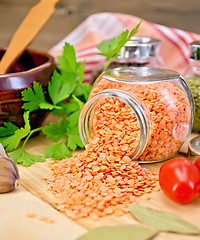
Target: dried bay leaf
(161, 220)
(121, 232)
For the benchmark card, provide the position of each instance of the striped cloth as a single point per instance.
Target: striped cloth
(174, 52)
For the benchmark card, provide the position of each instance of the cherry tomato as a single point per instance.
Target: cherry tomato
(197, 163)
(180, 180)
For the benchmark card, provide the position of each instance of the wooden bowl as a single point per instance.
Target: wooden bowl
(31, 66)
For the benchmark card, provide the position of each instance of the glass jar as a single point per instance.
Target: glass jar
(144, 113)
(192, 76)
(138, 52)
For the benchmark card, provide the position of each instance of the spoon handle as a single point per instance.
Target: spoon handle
(27, 31)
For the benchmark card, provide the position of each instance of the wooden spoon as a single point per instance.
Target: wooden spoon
(27, 31)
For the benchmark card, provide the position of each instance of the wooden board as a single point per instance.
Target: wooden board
(32, 179)
(15, 225)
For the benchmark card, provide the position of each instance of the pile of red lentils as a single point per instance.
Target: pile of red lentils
(103, 179)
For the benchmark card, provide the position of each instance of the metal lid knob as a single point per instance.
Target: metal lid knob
(139, 47)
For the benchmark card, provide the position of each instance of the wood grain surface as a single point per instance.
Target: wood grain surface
(69, 14)
(15, 225)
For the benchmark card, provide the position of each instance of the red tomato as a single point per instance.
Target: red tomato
(197, 163)
(180, 180)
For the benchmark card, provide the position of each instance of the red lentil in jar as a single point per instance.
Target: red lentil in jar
(146, 113)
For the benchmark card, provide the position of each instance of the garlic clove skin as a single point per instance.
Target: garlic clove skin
(9, 174)
(2, 151)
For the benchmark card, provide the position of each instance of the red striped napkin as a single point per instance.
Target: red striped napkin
(174, 52)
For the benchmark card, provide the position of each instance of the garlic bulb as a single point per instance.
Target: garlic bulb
(9, 174)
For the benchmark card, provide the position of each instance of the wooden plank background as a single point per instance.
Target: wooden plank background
(69, 14)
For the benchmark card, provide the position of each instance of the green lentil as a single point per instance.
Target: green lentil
(194, 84)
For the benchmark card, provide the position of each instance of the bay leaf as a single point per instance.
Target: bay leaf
(161, 220)
(121, 232)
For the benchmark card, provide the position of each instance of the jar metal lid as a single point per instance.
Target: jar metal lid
(139, 47)
(195, 50)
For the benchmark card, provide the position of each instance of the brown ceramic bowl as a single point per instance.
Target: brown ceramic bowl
(31, 66)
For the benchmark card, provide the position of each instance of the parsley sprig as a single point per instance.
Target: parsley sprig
(110, 49)
(12, 136)
(67, 94)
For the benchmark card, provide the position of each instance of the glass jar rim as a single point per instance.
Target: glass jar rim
(132, 75)
(128, 98)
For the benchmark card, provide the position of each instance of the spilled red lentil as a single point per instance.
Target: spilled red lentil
(41, 218)
(103, 179)
(93, 184)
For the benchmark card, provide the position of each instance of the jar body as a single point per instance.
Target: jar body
(158, 121)
(192, 76)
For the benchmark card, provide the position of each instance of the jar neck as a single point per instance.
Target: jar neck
(86, 119)
(132, 60)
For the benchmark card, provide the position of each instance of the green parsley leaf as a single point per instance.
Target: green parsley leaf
(56, 131)
(83, 90)
(74, 141)
(57, 151)
(66, 108)
(73, 119)
(13, 141)
(27, 159)
(80, 72)
(33, 97)
(24, 131)
(58, 89)
(86, 88)
(71, 106)
(111, 48)
(80, 103)
(67, 61)
(48, 106)
(61, 110)
(69, 67)
(8, 129)
(10, 143)
(78, 91)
